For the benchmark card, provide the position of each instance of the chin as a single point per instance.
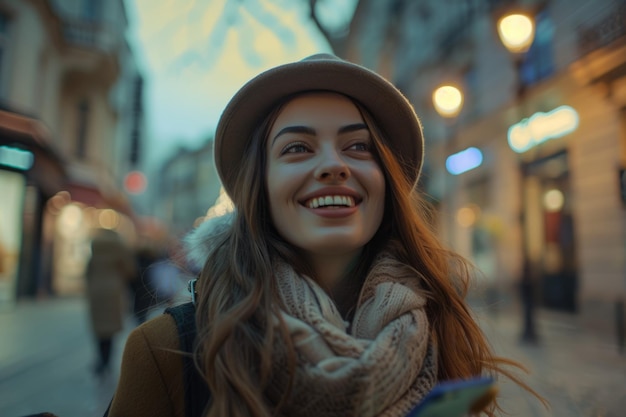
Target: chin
(335, 245)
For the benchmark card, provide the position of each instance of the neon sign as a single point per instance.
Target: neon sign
(16, 158)
(541, 127)
(464, 161)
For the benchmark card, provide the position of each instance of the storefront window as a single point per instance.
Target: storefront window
(539, 61)
(4, 47)
(12, 186)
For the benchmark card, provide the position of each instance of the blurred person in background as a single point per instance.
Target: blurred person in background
(109, 270)
(166, 280)
(326, 291)
(141, 286)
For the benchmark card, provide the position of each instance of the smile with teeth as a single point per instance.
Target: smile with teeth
(331, 200)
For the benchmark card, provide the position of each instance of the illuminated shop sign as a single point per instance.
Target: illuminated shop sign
(16, 158)
(464, 161)
(541, 127)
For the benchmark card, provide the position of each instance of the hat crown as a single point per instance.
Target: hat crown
(322, 57)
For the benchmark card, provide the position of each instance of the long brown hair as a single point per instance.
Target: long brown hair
(237, 296)
(463, 349)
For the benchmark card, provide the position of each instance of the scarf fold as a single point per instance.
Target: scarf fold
(381, 365)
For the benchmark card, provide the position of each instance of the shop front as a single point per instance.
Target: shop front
(551, 237)
(12, 188)
(31, 172)
(72, 215)
(548, 202)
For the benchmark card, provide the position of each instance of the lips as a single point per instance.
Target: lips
(330, 201)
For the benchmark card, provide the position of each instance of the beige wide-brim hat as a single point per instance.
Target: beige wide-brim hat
(393, 113)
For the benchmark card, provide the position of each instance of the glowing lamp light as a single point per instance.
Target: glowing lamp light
(16, 158)
(108, 219)
(541, 127)
(553, 200)
(448, 100)
(464, 161)
(468, 216)
(70, 219)
(135, 182)
(517, 32)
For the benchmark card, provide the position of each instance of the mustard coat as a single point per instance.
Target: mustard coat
(151, 378)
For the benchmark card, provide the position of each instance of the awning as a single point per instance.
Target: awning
(49, 171)
(26, 133)
(92, 196)
(89, 196)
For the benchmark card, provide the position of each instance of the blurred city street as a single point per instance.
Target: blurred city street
(108, 121)
(46, 358)
(578, 371)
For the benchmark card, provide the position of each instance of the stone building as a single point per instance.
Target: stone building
(68, 83)
(557, 202)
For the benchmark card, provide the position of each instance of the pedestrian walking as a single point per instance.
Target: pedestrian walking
(108, 273)
(325, 292)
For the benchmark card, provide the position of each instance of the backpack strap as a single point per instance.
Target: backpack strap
(196, 391)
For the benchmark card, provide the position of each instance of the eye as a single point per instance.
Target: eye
(295, 147)
(360, 146)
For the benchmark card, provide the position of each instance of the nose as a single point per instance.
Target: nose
(332, 167)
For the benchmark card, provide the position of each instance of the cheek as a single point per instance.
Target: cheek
(272, 187)
(380, 189)
(279, 189)
(276, 183)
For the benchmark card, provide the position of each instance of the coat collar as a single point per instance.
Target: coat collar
(202, 241)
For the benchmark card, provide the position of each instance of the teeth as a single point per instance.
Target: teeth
(331, 200)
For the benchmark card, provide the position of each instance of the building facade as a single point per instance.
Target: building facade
(66, 76)
(549, 125)
(189, 187)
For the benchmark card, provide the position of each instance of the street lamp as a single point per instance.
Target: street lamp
(448, 102)
(517, 32)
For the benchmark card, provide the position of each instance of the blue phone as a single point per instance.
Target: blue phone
(455, 398)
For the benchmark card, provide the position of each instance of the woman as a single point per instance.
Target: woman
(326, 291)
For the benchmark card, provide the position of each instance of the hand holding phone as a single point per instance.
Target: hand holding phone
(456, 398)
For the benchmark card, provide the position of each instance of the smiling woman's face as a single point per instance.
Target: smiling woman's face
(325, 188)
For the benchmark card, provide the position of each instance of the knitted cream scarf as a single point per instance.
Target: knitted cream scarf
(382, 366)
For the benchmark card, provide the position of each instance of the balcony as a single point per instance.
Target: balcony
(89, 47)
(602, 50)
(604, 32)
(86, 34)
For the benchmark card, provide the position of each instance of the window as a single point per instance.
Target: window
(4, 51)
(92, 10)
(81, 133)
(539, 61)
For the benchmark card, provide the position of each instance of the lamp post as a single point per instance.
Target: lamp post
(448, 102)
(517, 32)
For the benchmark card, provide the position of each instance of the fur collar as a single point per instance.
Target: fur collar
(200, 242)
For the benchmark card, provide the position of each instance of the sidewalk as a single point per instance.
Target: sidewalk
(580, 373)
(47, 353)
(46, 360)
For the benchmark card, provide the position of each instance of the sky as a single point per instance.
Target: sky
(195, 54)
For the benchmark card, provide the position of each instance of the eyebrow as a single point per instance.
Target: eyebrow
(310, 131)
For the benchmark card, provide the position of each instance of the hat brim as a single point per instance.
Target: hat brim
(392, 112)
